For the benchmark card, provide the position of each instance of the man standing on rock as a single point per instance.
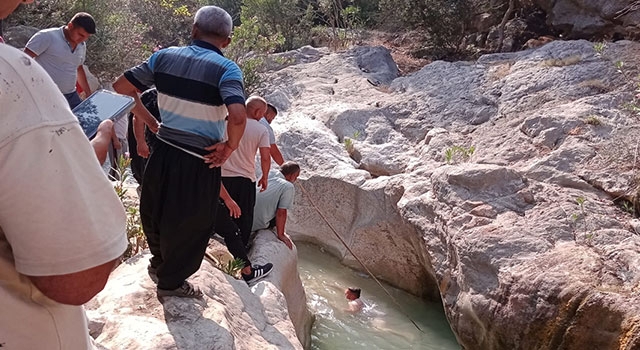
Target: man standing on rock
(238, 195)
(239, 171)
(269, 116)
(197, 88)
(62, 227)
(272, 204)
(62, 51)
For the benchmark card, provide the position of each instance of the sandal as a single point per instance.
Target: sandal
(186, 290)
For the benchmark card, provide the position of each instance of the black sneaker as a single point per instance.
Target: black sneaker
(257, 272)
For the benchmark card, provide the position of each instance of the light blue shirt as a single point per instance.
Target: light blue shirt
(56, 57)
(278, 195)
(272, 136)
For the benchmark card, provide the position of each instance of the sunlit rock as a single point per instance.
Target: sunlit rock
(500, 187)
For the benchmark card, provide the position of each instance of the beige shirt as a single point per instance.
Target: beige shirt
(242, 161)
(58, 212)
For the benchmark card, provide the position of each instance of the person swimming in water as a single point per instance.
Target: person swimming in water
(353, 295)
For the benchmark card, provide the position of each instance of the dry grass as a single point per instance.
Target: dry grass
(499, 71)
(401, 47)
(562, 62)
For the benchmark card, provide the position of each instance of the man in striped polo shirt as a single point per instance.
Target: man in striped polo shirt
(197, 88)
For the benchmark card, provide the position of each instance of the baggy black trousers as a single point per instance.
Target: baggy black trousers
(178, 208)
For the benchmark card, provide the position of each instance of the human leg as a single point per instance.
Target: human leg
(150, 208)
(243, 191)
(228, 229)
(186, 213)
(102, 140)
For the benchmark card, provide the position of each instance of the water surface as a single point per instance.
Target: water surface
(380, 325)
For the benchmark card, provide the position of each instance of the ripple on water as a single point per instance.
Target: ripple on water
(380, 325)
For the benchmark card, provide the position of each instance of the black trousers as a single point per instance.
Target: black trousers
(227, 228)
(243, 191)
(178, 208)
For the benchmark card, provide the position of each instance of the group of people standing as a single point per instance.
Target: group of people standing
(62, 232)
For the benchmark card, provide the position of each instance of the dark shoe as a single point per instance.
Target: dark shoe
(257, 272)
(187, 290)
(153, 273)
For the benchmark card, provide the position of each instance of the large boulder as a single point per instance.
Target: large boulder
(18, 36)
(491, 185)
(587, 18)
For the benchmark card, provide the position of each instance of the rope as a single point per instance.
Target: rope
(357, 258)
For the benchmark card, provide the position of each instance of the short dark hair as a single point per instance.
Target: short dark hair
(273, 108)
(289, 168)
(355, 291)
(84, 21)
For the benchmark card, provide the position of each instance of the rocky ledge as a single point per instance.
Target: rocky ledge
(271, 314)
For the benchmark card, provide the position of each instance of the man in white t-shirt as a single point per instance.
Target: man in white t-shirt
(239, 171)
(62, 227)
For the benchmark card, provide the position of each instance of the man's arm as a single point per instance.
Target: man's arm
(236, 121)
(83, 82)
(281, 220)
(265, 165)
(234, 209)
(276, 155)
(30, 53)
(123, 86)
(138, 134)
(75, 288)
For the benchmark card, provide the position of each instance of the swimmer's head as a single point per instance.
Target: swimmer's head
(352, 293)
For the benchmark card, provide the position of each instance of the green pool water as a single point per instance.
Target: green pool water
(381, 325)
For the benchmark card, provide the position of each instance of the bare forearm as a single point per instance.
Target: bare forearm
(224, 195)
(83, 82)
(265, 162)
(138, 129)
(123, 86)
(276, 155)
(75, 288)
(281, 221)
(236, 122)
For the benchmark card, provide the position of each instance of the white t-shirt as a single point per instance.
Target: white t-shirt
(58, 212)
(242, 160)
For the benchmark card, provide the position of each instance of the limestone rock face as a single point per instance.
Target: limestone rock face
(493, 185)
(584, 18)
(128, 315)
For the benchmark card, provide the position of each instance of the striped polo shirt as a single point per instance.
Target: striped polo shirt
(195, 83)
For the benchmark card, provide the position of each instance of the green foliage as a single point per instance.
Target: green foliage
(593, 120)
(249, 49)
(444, 20)
(135, 235)
(233, 267)
(281, 17)
(348, 142)
(627, 206)
(600, 47)
(457, 154)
